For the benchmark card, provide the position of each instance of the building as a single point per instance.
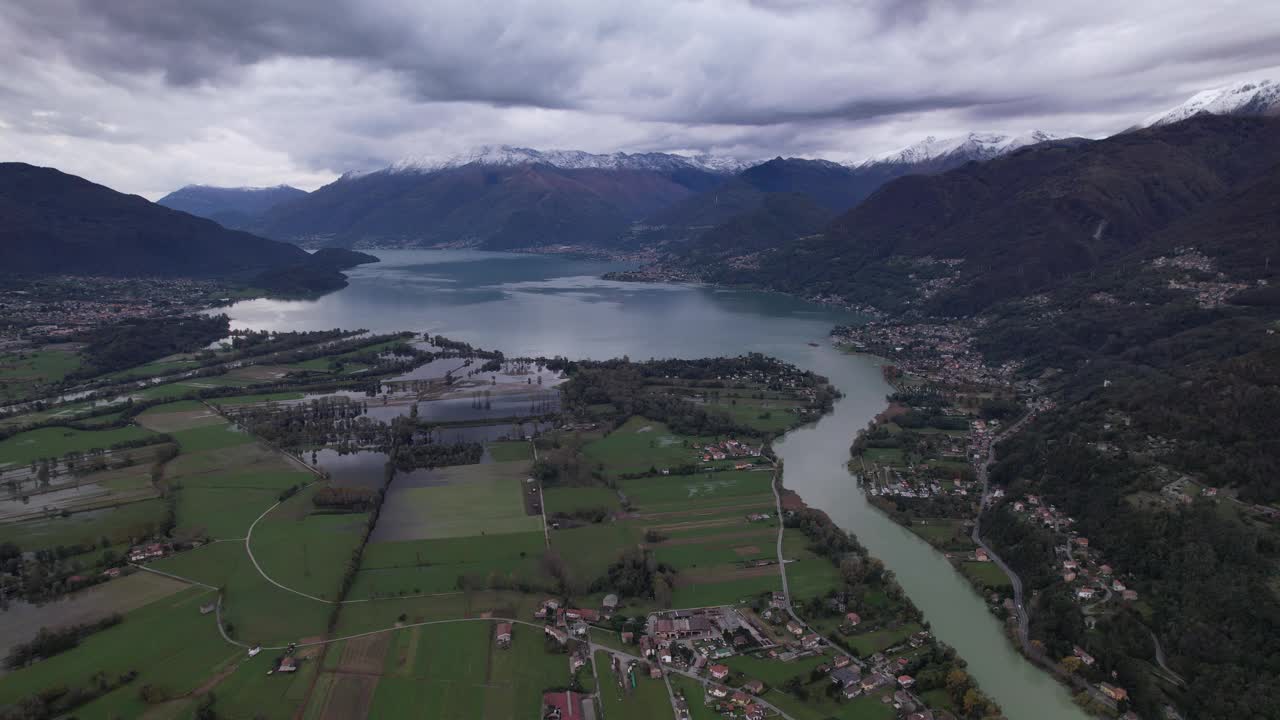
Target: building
(842, 661)
(906, 681)
(753, 686)
(562, 706)
(852, 618)
(717, 691)
(845, 677)
(502, 635)
(811, 641)
(719, 672)
(795, 628)
(610, 603)
(1113, 692)
(740, 698)
(288, 665)
(560, 636)
(682, 628)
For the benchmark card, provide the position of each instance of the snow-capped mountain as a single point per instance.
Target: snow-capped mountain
(1247, 97)
(978, 146)
(508, 156)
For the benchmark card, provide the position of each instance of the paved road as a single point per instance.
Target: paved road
(1020, 608)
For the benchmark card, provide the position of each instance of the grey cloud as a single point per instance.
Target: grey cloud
(239, 90)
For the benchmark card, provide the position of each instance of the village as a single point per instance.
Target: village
(700, 644)
(58, 307)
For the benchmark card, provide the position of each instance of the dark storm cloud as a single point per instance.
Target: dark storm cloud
(261, 91)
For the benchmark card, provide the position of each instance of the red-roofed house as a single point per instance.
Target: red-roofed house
(719, 672)
(562, 706)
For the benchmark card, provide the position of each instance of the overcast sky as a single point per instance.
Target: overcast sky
(148, 95)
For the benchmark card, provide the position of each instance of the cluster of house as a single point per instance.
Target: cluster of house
(942, 354)
(727, 449)
(564, 623)
(1113, 692)
(896, 483)
(151, 551)
(1083, 568)
(81, 302)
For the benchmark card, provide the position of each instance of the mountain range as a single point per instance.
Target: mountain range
(57, 223)
(1017, 224)
(235, 208)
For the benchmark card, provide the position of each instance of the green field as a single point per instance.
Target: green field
(873, 642)
(211, 437)
(987, 573)
(434, 566)
(569, 499)
(154, 368)
(36, 367)
(510, 451)
(307, 550)
(639, 445)
(456, 672)
(251, 399)
(588, 551)
(686, 491)
(646, 701)
(728, 591)
(775, 672)
(54, 442)
(258, 610)
(715, 551)
(169, 643)
(120, 524)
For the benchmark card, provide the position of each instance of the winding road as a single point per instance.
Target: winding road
(1020, 609)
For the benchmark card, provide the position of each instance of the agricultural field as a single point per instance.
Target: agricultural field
(22, 373)
(54, 442)
(724, 488)
(171, 645)
(639, 445)
(571, 499)
(435, 566)
(460, 501)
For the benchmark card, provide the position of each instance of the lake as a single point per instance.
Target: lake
(546, 305)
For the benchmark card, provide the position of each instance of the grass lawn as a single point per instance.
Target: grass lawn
(647, 700)
(873, 642)
(471, 500)
(434, 566)
(775, 672)
(640, 444)
(987, 573)
(569, 499)
(510, 451)
(154, 368)
(54, 442)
